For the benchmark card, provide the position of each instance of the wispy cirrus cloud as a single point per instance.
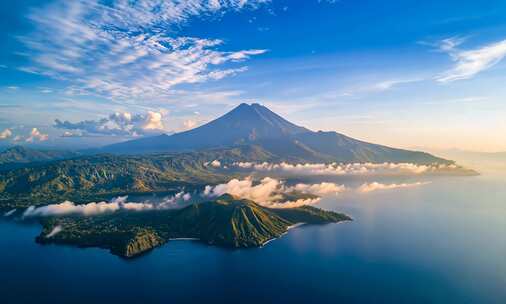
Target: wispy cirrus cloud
(468, 63)
(390, 84)
(126, 49)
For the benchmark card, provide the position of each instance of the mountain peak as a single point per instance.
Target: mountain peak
(250, 108)
(260, 120)
(255, 124)
(246, 122)
(249, 105)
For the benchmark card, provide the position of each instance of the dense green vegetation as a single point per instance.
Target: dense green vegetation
(102, 176)
(99, 177)
(226, 221)
(309, 215)
(248, 133)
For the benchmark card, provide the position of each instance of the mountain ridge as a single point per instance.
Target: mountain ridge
(257, 125)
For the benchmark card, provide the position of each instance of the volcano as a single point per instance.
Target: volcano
(256, 125)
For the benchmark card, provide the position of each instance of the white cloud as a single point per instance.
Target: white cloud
(153, 121)
(179, 200)
(269, 192)
(36, 135)
(117, 204)
(345, 169)
(215, 163)
(9, 213)
(390, 84)
(468, 63)
(5, 134)
(69, 207)
(57, 229)
(294, 204)
(369, 187)
(71, 134)
(322, 189)
(119, 123)
(130, 49)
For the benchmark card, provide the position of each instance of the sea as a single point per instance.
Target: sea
(440, 242)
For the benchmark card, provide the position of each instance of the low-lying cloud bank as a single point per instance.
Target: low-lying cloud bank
(116, 204)
(268, 192)
(369, 187)
(346, 169)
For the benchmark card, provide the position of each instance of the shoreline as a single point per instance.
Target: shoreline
(287, 229)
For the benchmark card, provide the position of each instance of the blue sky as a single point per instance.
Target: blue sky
(403, 73)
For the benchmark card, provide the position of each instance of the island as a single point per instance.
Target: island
(226, 221)
(188, 162)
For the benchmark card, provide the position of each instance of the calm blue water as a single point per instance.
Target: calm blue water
(440, 243)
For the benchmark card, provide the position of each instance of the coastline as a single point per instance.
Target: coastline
(287, 229)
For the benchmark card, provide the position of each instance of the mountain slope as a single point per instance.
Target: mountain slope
(98, 176)
(230, 222)
(91, 177)
(19, 155)
(244, 124)
(341, 148)
(257, 125)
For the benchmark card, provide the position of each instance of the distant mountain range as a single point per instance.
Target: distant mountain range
(257, 125)
(17, 156)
